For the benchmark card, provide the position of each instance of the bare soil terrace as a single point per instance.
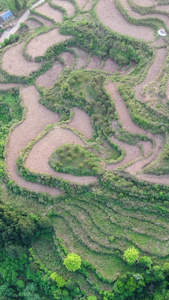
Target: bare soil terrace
(48, 78)
(37, 118)
(15, 63)
(41, 43)
(38, 158)
(111, 17)
(66, 5)
(46, 10)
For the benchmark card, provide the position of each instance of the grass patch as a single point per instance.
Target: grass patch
(76, 160)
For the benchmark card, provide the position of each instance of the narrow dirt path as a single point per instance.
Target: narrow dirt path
(37, 118)
(111, 17)
(153, 71)
(38, 158)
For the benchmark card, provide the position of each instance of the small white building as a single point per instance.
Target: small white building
(162, 32)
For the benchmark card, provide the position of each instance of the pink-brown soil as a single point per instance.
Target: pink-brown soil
(164, 8)
(168, 90)
(136, 15)
(37, 118)
(82, 122)
(68, 58)
(159, 43)
(144, 2)
(111, 17)
(88, 5)
(41, 43)
(132, 152)
(110, 66)
(46, 22)
(66, 5)
(47, 10)
(81, 3)
(49, 78)
(122, 110)
(138, 166)
(95, 63)
(38, 158)
(153, 71)
(32, 24)
(82, 58)
(161, 179)
(147, 147)
(15, 63)
(6, 86)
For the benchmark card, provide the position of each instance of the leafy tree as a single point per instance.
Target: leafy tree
(72, 262)
(146, 260)
(131, 255)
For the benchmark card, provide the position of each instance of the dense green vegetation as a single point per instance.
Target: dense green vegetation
(15, 5)
(75, 160)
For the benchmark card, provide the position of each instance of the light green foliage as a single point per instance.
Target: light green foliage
(58, 279)
(146, 260)
(131, 255)
(76, 160)
(111, 238)
(92, 298)
(72, 262)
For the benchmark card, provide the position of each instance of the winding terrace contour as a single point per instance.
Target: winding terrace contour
(38, 117)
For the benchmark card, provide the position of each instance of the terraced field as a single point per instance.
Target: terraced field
(94, 74)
